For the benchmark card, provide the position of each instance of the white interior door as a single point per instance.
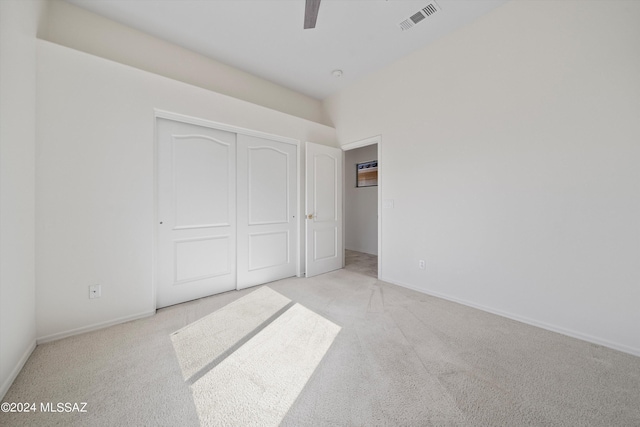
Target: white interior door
(196, 212)
(267, 203)
(324, 251)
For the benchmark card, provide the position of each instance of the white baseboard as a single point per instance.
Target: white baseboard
(93, 327)
(16, 370)
(554, 328)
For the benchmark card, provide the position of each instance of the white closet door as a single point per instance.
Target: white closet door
(196, 212)
(267, 201)
(324, 250)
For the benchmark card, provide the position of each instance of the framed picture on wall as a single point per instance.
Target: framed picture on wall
(367, 174)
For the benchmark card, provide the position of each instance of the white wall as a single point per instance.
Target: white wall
(360, 204)
(95, 180)
(71, 26)
(511, 153)
(18, 26)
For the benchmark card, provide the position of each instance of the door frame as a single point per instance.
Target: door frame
(352, 146)
(182, 118)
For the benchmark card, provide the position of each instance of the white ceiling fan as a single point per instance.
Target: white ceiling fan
(311, 13)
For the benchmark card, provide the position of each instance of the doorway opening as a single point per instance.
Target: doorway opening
(362, 207)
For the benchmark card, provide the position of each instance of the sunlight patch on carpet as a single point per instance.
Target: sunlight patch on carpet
(259, 382)
(202, 342)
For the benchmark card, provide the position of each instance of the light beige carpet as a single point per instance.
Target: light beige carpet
(205, 341)
(258, 383)
(400, 358)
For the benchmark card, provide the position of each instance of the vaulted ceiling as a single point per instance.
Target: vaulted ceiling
(266, 37)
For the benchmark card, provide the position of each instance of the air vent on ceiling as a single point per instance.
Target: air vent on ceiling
(419, 16)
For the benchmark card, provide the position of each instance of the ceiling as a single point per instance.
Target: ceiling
(266, 37)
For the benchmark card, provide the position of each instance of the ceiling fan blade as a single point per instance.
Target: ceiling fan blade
(311, 13)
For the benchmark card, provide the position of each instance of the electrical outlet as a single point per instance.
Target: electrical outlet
(95, 291)
(421, 264)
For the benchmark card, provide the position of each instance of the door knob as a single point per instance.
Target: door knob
(309, 216)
